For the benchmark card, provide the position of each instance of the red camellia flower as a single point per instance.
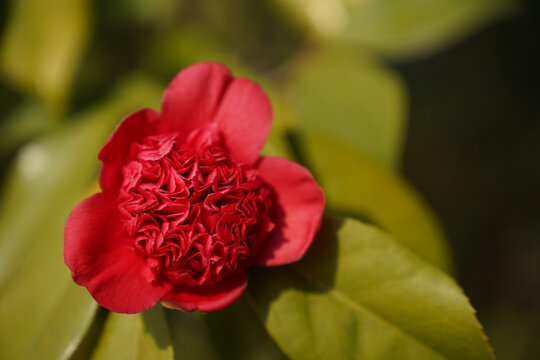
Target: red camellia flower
(187, 204)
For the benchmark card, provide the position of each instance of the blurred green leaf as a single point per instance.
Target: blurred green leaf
(42, 45)
(171, 50)
(277, 143)
(37, 295)
(398, 28)
(190, 336)
(358, 294)
(26, 121)
(349, 95)
(137, 336)
(55, 325)
(254, 31)
(356, 185)
(239, 334)
(157, 12)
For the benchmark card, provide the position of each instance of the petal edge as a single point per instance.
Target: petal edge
(132, 129)
(207, 298)
(193, 97)
(244, 119)
(297, 208)
(101, 260)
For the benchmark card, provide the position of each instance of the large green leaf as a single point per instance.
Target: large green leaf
(235, 332)
(356, 185)
(238, 333)
(190, 336)
(25, 122)
(174, 49)
(349, 95)
(157, 12)
(37, 295)
(358, 294)
(43, 315)
(399, 28)
(141, 336)
(42, 45)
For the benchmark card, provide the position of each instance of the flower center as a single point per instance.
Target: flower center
(197, 213)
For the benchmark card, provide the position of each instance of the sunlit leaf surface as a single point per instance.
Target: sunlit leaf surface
(135, 337)
(356, 185)
(349, 95)
(42, 45)
(399, 28)
(190, 336)
(359, 294)
(38, 297)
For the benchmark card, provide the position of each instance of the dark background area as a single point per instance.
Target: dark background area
(473, 150)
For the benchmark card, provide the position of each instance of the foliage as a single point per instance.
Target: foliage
(377, 282)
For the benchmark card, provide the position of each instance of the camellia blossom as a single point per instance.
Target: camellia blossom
(187, 204)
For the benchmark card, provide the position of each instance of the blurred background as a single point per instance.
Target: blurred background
(444, 92)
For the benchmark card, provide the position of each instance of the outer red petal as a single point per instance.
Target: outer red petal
(193, 97)
(102, 261)
(133, 129)
(298, 204)
(206, 298)
(244, 119)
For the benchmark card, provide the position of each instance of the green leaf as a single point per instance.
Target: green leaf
(353, 97)
(88, 343)
(356, 185)
(38, 298)
(42, 46)
(131, 337)
(43, 314)
(157, 12)
(358, 294)
(235, 332)
(415, 27)
(190, 336)
(238, 333)
(174, 49)
(232, 333)
(398, 28)
(25, 122)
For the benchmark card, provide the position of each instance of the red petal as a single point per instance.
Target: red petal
(206, 298)
(102, 261)
(244, 118)
(297, 207)
(133, 129)
(193, 97)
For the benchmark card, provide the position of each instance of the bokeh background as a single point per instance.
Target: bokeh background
(459, 79)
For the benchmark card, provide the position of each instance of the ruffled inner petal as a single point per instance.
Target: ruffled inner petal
(191, 208)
